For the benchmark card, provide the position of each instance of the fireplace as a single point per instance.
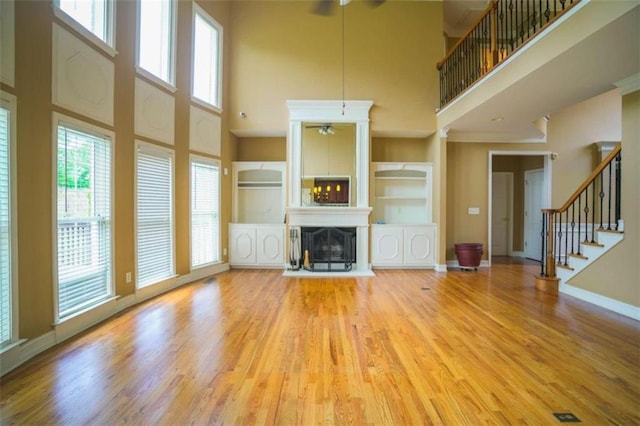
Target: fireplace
(328, 249)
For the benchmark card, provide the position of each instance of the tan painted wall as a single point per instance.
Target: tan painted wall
(571, 133)
(33, 23)
(399, 149)
(281, 51)
(616, 274)
(261, 149)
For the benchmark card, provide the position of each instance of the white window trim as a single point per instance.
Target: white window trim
(193, 158)
(10, 102)
(106, 46)
(198, 10)
(148, 145)
(169, 85)
(100, 132)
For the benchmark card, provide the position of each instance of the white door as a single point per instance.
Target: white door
(533, 196)
(501, 199)
(418, 247)
(270, 245)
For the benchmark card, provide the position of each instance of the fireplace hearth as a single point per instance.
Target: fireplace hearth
(327, 249)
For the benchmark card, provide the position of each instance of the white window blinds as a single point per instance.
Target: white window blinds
(204, 212)
(84, 219)
(5, 231)
(154, 214)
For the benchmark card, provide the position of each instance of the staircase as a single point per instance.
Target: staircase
(584, 228)
(589, 252)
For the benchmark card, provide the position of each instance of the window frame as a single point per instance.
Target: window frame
(108, 45)
(199, 11)
(171, 153)
(171, 84)
(199, 159)
(101, 132)
(10, 103)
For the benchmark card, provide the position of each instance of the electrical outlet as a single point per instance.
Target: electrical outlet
(127, 277)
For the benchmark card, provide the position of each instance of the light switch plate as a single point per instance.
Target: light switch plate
(474, 210)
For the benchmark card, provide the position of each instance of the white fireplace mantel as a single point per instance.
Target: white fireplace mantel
(332, 111)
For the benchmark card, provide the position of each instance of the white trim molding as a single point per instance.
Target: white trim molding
(616, 306)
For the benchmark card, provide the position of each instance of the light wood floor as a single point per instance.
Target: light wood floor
(405, 347)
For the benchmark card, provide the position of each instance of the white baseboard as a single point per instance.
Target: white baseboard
(616, 306)
(440, 268)
(21, 352)
(455, 265)
(24, 350)
(517, 254)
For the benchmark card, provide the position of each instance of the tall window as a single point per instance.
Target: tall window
(205, 219)
(154, 214)
(7, 227)
(94, 15)
(84, 218)
(207, 58)
(156, 38)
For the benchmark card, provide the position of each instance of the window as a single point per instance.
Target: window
(154, 214)
(156, 38)
(205, 223)
(7, 226)
(207, 54)
(94, 15)
(84, 264)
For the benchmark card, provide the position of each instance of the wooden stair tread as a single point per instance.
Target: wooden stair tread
(578, 256)
(588, 243)
(610, 231)
(567, 267)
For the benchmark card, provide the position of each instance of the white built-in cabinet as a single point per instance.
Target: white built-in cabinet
(402, 232)
(256, 235)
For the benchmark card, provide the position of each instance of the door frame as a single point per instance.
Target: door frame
(546, 185)
(509, 209)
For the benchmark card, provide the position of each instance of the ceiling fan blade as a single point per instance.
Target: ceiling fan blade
(323, 7)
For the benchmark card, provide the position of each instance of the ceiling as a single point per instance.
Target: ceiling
(588, 68)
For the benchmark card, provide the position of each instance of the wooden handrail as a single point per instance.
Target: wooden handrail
(493, 5)
(589, 180)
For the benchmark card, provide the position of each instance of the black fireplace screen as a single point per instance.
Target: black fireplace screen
(328, 248)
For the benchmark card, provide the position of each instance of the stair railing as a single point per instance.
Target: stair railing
(594, 206)
(499, 32)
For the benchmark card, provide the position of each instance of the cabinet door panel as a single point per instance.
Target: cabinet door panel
(419, 246)
(270, 245)
(243, 246)
(387, 245)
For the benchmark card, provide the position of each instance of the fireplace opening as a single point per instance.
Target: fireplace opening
(326, 249)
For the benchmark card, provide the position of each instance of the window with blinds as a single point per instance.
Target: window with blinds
(84, 264)
(154, 214)
(205, 223)
(5, 231)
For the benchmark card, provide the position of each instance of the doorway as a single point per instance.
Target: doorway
(516, 163)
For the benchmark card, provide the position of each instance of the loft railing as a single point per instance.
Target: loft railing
(500, 31)
(594, 206)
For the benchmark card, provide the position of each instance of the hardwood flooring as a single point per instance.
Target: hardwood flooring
(405, 347)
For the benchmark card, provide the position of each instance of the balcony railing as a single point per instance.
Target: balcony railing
(501, 30)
